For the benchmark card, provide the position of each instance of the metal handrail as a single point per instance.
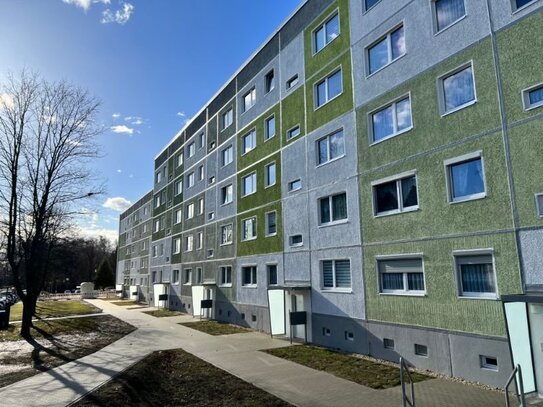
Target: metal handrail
(520, 387)
(405, 398)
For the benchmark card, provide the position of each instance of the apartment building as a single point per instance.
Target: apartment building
(375, 164)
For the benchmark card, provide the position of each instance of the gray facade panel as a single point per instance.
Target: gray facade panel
(295, 222)
(256, 295)
(504, 13)
(297, 268)
(531, 244)
(291, 64)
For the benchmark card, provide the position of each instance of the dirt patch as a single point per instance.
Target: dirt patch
(215, 327)
(55, 343)
(184, 380)
(161, 313)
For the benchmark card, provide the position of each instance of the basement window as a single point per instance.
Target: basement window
(421, 350)
(488, 362)
(388, 343)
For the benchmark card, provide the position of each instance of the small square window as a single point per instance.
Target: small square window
(269, 81)
(211, 215)
(388, 343)
(211, 180)
(295, 185)
(488, 362)
(326, 331)
(421, 350)
(294, 132)
(457, 90)
(210, 253)
(349, 336)
(295, 240)
(533, 97)
(292, 82)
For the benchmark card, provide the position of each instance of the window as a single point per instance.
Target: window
(386, 50)
(227, 155)
(189, 243)
(248, 229)
(157, 226)
(249, 184)
(421, 350)
(336, 274)
(330, 147)
(178, 187)
(200, 241)
(269, 81)
(457, 90)
(447, 12)
(199, 276)
(391, 120)
(192, 149)
(329, 88)
(326, 331)
(326, 33)
(201, 140)
(211, 145)
(144, 230)
(401, 276)
(248, 276)
(388, 343)
(488, 362)
(190, 180)
(370, 3)
(349, 336)
(539, 204)
(295, 185)
(292, 82)
(145, 210)
(226, 234)
(271, 223)
(533, 97)
(294, 132)
(333, 208)
(227, 118)
(200, 206)
(158, 200)
(158, 177)
(211, 180)
(161, 249)
(518, 4)
(295, 240)
(465, 178)
(270, 175)
(155, 251)
(272, 274)
(179, 159)
(227, 194)
(190, 211)
(248, 142)
(270, 128)
(178, 216)
(175, 277)
(176, 245)
(475, 275)
(249, 100)
(210, 253)
(187, 277)
(211, 215)
(225, 276)
(396, 195)
(200, 172)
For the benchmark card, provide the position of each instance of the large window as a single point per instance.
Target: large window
(227, 155)
(386, 50)
(227, 194)
(475, 275)
(447, 12)
(401, 276)
(227, 118)
(271, 223)
(533, 97)
(331, 147)
(326, 33)
(270, 175)
(225, 276)
(248, 276)
(336, 274)
(248, 229)
(333, 208)
(248, 100)
(248, 142)
(395, 195)
(457, 90)
(465, 178)
(249, 184)
(226, 234)
(391, 120)
(328, 88)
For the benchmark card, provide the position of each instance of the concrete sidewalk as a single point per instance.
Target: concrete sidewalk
(238, 354)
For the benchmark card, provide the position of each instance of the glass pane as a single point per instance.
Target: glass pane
(536, 96)
(323, 150)
(392, 281)
(477, 278)
(321, 93)
(467, 179)
(319, 39)
(371, 3)
(332, 28)
(337, 145)
(386, 197)
(403, 114)
(272, 275)
(448, 11)
(458, 89)
(521, 3)
(339, 207)
(270, 127)
(409, 192)
(271, 223)
(343, 274)
(415, 281)
(325, 210)
(327, 274)
(378, 55)
(397, 39)
(383, 123)
(271, 175)
(334, 85)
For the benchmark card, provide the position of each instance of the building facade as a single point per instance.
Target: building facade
(375, 164)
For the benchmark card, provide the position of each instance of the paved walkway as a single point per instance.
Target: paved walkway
(237, 354)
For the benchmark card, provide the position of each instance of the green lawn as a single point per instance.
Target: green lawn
(215, 327)
(358, 370)
(160, 313)
(55, 308)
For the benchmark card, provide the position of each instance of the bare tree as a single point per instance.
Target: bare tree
(48, 135)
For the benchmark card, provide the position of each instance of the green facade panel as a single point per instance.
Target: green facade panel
(262, 244)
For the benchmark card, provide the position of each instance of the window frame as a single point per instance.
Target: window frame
(448, 178)
(325, 79)
(539, 205)
(199, 240)
(292, 82)
(396, 132)
(325, 21)
(291, 131)
(178, 216)
(334, 278)
(291, 242)
(178, 187)
(388, 37)
(245, 238)
(327, 137)
(405, 292)
(483, 362)
(176, 245)
(441, 90)
(187, 276)
(291, 184)
(252, 93)
(266, 224)
(224, 194)
(188, 243)
(398, 179)
(253, 283)
(191, 179)
(330, 207)
(461, 294)
(175, 276)
(189, 214)
(223, 273)
(269, 86)
(224, 115)
(229, 155)
(252, 135)
(267, 135)
(191, 149)
(243, 191)
(525, 95)
(436, 28)
(223, 227)
(267, 183)
(268, 275)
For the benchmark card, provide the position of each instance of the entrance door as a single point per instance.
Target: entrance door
(197, 297)
(276, 301)
(536, 330)
(297, 304)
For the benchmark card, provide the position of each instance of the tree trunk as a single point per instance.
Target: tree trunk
(29, 309)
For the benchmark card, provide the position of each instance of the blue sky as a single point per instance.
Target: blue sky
(152, 63)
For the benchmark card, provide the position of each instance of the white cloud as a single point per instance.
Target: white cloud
(116, 115)
(7, 100)
(181, 114)
(118, 204)
(95, 232)
(119, 16)
(119, 171)
(136, 120)
(122, 129)
(85, 4)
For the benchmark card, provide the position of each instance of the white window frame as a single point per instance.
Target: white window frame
(328, 137)
(268, 89)
(225, 197)
(178, 216)
(525, 94)
(390, 59)
(399, 193)
(192, 148)
(267, 234)
(190, 179)
(291, 242)
(252, 94)
(267, 135)
(178, 187)
(438, 30)
(396, 132)
(459, 160)
(292, 130)
(229, 114)
(323, 25)
(290, 185)
(187, 276)
(200, 206)
(244, 193)
(223, 274)
(222, 229)
(484, 363)
(292, 82)
(441, 91)
(246, 238)
(176, 245)
(276, 274)
(251, 135)
(405, 291)
(267, 183)
(189, 211)
(457, 254)
(201, 140)
(254, 281)
(201, 172)
(539, 204)
(175, 276)
(179, 159)
(227, 153)
(329, 198)
(156, 226)
(189, 243)
(199, 240)
(335, 288)
(325, 80)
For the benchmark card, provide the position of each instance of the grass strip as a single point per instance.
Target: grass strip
(55, 308)
(215, 327)
(161, 313)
